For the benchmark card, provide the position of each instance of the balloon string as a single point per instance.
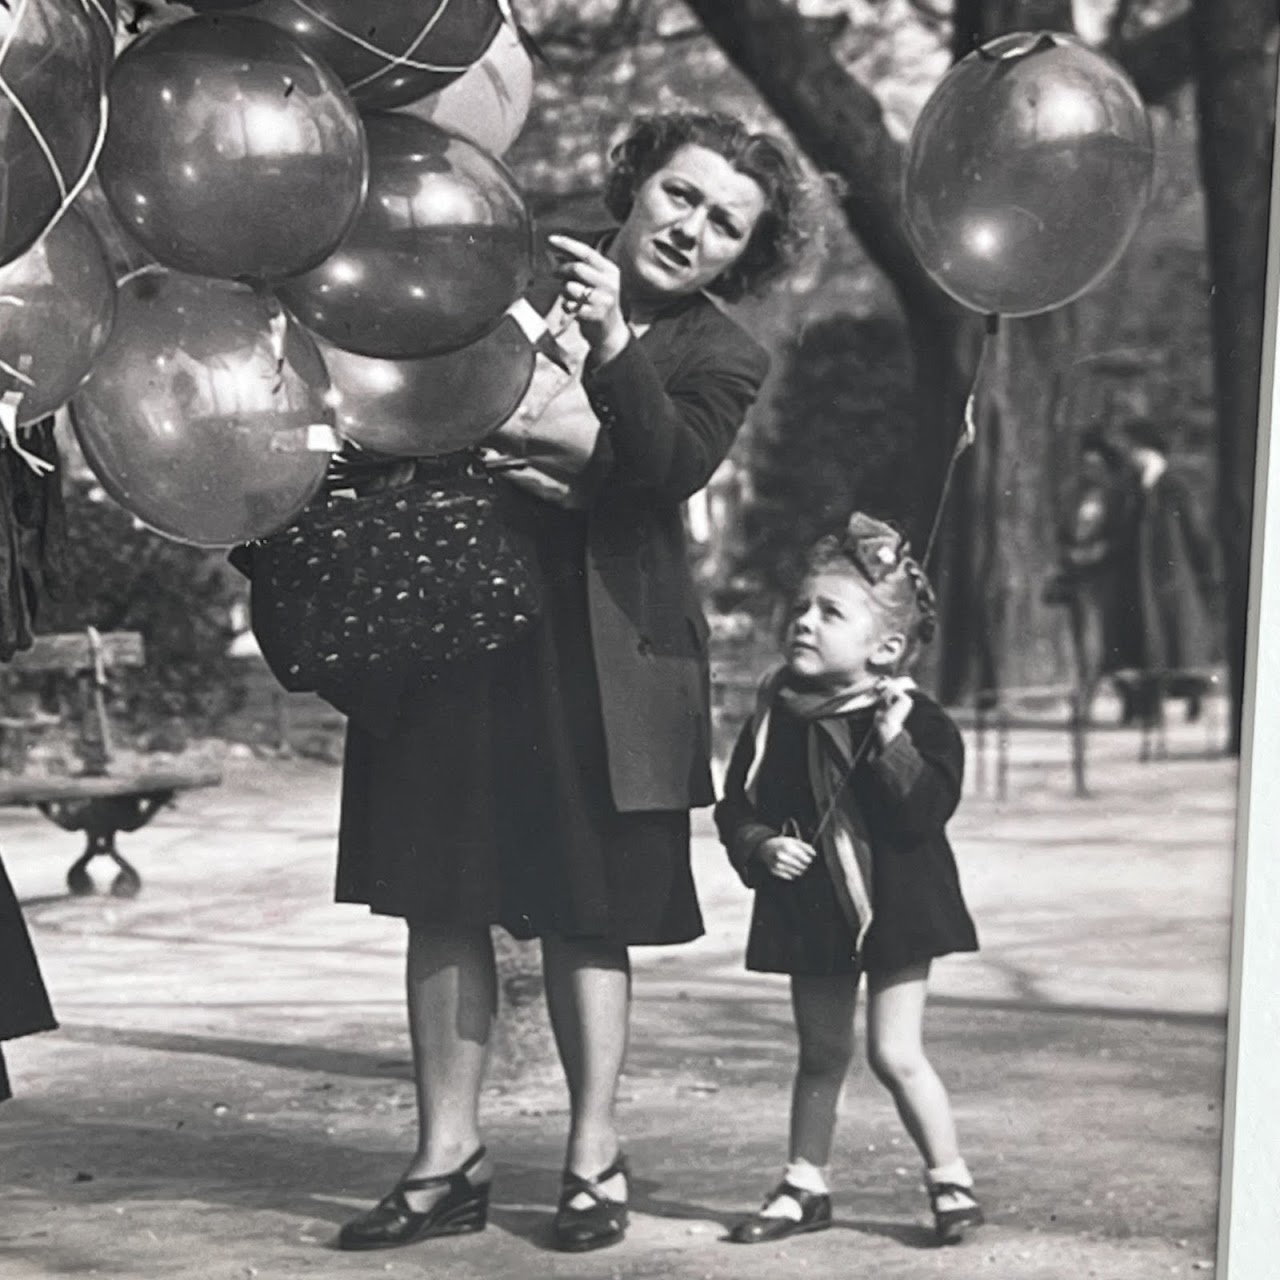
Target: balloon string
(101, 11)
(968, 434)
(9, 403)
(147, 269)
(67, 195)
(393, 60)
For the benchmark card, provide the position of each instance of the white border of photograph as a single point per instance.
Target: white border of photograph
(1249, 1214)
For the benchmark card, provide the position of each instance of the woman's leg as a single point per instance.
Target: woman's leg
(589, 1000)
(823, 1009)
(452, 991)
(895, 1051)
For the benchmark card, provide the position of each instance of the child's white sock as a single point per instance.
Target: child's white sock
(804, 1177)
(957, 1173)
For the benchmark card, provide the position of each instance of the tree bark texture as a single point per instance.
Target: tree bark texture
(1236, 71)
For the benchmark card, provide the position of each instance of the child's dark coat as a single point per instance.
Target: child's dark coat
(906, 792)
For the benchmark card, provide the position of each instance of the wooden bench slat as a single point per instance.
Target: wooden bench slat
(72, 652)
(28, 789)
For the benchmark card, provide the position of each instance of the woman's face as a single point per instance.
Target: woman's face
(691, 220)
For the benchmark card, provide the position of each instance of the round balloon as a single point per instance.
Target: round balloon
(1027, 173)
(124, 253)
(206, 416)
(53, 65)
(489, 104)
(56, 305)
(441, 249)
(435, 405)
(232, 152)
(389, 52)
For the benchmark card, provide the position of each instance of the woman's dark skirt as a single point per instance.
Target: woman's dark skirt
(489, 802)
(24, 1003)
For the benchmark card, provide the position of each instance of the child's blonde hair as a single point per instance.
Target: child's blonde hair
(879, 556)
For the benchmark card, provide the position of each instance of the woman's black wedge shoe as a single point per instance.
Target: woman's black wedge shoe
(760, 1228)
(464, 1207)
(602, 1223)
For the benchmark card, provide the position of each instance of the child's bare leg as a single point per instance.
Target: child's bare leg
(895, 1052)
(823, 1010)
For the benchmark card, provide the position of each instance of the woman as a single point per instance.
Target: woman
(547, 788)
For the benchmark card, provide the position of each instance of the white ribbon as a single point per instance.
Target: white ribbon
(9, 403)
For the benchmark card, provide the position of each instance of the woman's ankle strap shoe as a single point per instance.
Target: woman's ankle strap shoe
(951, 1223)
(601, 1223)
(463, 1207)
(815, 1215)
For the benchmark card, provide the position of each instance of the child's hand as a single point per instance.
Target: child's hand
(892, 709)
(786, 857)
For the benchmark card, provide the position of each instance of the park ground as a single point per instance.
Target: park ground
(231, 1076)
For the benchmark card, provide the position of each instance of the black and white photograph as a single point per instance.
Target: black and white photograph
(630, 639)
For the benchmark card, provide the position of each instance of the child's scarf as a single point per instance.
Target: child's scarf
(843, 841)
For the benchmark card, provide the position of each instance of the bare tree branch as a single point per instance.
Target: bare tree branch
(837, 121)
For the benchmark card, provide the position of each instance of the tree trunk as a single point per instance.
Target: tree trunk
(1235, 58)
(984, 590)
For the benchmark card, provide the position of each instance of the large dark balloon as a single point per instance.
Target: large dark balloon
(54, 64)
(56, 305)
(232, 152)
(204, 417)
(420, 408)
(1027, 173)
(441, 249)
(389, 52)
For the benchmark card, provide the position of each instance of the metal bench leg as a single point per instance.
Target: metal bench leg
(127, 882)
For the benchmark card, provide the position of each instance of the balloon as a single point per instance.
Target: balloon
(53, 62)
(389, 52)
(123, 252)
(442, 247)
(489, 104)
(56, 305)
(231, 151)
(420, 408)
(205, 417)
(1027, 173)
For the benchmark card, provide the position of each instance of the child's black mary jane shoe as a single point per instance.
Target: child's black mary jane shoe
(815, 1215)
(950, 1224)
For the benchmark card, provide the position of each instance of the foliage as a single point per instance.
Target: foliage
(841, 439)
(123, 577)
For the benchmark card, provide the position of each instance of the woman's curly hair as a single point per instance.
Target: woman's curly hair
(784, 228)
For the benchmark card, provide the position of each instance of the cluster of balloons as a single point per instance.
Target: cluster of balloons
(320, 240)
(1027, 173)
(300, 254)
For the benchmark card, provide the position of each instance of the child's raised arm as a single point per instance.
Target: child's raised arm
(920, 769)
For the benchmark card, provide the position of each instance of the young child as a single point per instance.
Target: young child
(835, 803)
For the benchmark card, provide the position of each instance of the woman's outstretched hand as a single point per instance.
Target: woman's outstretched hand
(592, 295)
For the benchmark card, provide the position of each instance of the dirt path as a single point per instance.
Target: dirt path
(231, 1077)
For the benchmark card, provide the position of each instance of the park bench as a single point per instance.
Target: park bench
(109, 793)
